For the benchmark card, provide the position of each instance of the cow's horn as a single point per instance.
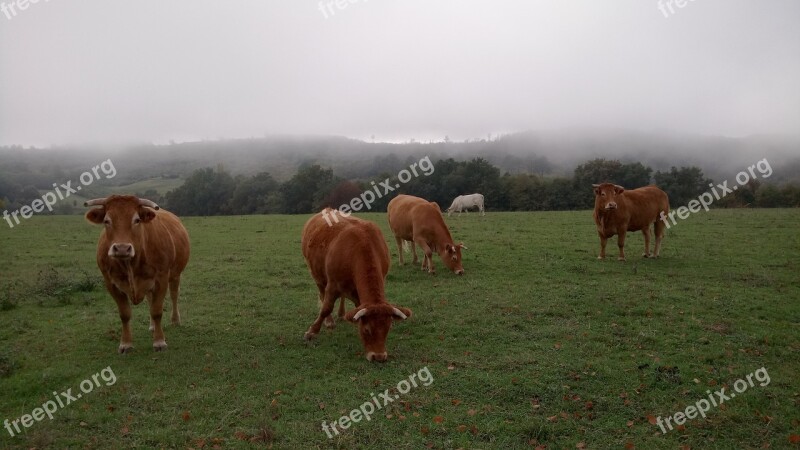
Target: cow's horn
(399, 314)
(360, 314)
(95, 202)
(595, 186)
(148, 203)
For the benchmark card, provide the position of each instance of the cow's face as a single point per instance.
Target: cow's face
(374, 323)
(123, 217)
(451, 257)
(606, 196)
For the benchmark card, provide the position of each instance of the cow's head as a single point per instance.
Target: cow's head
(374, 323)
(123, 217)
(451, 257)
(605, 196)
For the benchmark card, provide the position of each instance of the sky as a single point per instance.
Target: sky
(101, 71)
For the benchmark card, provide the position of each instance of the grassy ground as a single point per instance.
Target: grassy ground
(539, 344)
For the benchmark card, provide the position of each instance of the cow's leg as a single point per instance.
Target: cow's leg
(152, 326)
(483, 212)
(399, 248)
(427, 262)
(325, 310)
(125, 312)
(659, 232)
(174, 291)
(621, 244)
(646, 233)
(603, 242)
(413, 252)
(156, 311)
(329, 322)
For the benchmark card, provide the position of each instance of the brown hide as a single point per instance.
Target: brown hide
(617, 211)
(141, 253)
(349, 259)
(421, 223)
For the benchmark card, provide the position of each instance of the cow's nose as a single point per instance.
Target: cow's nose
(612, 205)
(460, 272)
(380, 357)
(122, 250)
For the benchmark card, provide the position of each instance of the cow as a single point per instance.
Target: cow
(465, 203)
(420, 222)
(617, 211)
(141, 253)
(349, 259)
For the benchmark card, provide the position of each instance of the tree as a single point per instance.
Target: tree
(682, 185)
(306, 191)
(259, 194)
(205, 193)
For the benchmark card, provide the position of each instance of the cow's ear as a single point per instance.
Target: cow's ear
(618, 189)
(401, 313)
(146, 214)
(355, 314)
(96, 215)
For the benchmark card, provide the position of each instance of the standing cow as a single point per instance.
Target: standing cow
(465, 203)
(350, 259)
(141, 253)
(617, 211)
(420, 222)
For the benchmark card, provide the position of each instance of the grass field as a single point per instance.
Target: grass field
(539, 344)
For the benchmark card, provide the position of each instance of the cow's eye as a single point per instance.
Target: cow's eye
(136, 221)
(602, 194)
(107, 221)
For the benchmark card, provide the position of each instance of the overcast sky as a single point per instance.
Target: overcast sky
(114, 71)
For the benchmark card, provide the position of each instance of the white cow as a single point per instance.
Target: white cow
(466, 202)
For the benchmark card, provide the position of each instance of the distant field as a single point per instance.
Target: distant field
(160, 185)
(539, 344)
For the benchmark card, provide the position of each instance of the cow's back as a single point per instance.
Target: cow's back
(401, 215)
(344, 247)
(644, 206)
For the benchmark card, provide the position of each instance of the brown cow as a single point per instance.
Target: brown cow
(349, 259)
(419, 221)
(617, 211)
(142, 252)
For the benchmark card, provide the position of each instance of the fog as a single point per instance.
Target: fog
(146, 71)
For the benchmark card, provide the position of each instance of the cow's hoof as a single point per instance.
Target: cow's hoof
(620, 259)
(159, 346)
(330, 323)
(151, 328)
(645, 255)
(125, 348)
(601, 258)
(309, 335)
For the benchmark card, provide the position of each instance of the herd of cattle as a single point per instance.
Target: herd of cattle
(144, 249)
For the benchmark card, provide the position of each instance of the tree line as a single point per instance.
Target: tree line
(214, 191)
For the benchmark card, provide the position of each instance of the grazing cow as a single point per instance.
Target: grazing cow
(420, 222)
(142, 252)
(350, 259)
(465, 203)
(617, 211)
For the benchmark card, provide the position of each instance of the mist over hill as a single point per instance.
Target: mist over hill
(544, 153)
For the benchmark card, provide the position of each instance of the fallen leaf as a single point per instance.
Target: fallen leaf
(462, 428)
(630, 423)
(652, 420)
(794, 438)
(472, 412)
(580, 445)
(456, 402)
(629, 446)
(438, 419)
(186, 416)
